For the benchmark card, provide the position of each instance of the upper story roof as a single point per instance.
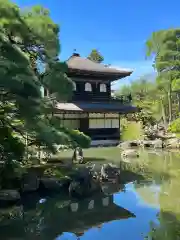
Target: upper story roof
(83, 66)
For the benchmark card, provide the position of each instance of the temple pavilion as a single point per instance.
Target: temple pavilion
(92, 109)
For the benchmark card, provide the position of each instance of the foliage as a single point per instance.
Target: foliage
(143, 93)
(79, 138)
(131, 131)
(158, 99)
(175, 126)
(164, 47)
(149, 95)
(29, 46)
(96, 56)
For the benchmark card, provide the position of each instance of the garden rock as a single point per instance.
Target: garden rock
(83, 183)
(128, 144)
(130, 153)
(157, 143)
(109, 172)
(172, 143)
(78, 155)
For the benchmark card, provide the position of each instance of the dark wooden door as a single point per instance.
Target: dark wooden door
(84, 125)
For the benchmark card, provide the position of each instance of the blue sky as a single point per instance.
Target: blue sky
(117, 28)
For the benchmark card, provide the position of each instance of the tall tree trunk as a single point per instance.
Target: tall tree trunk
(170, 102)
(163, 112)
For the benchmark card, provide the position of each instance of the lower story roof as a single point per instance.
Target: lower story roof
(97, 107)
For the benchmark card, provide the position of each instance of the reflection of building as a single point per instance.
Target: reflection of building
(55, 216)
(78, 217)
(92, 110)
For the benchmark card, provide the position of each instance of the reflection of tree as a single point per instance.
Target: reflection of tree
(169, 228)
(169, 216)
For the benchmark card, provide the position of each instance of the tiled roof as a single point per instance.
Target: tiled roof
(76, 62)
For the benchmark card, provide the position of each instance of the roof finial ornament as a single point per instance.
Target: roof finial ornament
(75, 54)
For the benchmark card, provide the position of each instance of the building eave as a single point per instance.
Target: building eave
(96, 107)
(96, 74)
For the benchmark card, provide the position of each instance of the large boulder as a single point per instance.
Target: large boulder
(157, 143)
(9, 195)
(84, 183)
(128, 144)
(110, 172)
(172, 143)
(129, 153)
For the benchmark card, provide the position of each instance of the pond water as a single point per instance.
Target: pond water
(146, 209)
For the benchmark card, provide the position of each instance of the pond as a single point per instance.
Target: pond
(141, 209)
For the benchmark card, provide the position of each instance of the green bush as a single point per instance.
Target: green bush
(174, 127)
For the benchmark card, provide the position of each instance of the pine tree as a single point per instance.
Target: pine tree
(96, 56)
(29, 43)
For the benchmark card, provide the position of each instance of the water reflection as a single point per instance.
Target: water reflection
(149, 209)
(51, 217)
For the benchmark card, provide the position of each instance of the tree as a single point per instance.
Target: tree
(96, 56)
(143, 91)
(164, 46)
(29, 46)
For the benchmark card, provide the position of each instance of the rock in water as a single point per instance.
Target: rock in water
(109, 172)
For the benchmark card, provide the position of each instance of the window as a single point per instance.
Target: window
(103, 87)
(107, 123)
(88, 87)
(115, 123)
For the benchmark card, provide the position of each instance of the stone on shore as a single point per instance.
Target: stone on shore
(128, 144)
(172, 143)
(129, 153)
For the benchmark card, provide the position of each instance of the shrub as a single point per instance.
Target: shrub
(174, 127)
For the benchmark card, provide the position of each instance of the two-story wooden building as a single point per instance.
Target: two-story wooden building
(92, 109)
